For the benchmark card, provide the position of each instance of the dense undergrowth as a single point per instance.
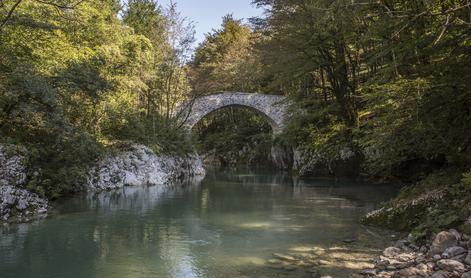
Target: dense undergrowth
(440, 201)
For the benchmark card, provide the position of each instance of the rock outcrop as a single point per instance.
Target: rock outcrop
(12, 165)
(20, 205)
(344, 162)
(141, 166)
(282, 156)
(16, 203)
(136, 166)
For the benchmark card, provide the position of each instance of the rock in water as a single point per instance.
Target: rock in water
(442, 241)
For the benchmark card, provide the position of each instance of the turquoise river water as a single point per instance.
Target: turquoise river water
(228, 225)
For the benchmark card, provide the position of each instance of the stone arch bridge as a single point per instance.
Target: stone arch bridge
(273, 108)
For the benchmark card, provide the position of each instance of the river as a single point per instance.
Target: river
(229, 225)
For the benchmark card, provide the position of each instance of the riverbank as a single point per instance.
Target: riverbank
(447, 254)
(440, 201)
(134, 165)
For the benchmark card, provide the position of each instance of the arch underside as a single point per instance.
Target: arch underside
(194, 121)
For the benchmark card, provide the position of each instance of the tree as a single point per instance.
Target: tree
(226, 60)
(315, 42)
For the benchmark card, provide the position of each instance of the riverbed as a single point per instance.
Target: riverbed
(232, 224)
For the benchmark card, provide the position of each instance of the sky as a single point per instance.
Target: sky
(207, 14)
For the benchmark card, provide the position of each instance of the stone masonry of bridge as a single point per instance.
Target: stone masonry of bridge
(273, 108)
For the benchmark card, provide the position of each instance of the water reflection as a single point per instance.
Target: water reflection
(229, 225)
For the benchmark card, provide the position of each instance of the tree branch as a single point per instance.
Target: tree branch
(10, 13)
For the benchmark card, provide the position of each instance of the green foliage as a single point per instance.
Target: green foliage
(467, 179)
(75, 77)
(235, 136)
(392, 79)
(226, 60)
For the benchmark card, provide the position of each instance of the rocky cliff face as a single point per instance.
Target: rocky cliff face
(141, 166)
(20, 205)
(342, 163)
(16, 203)
(282, 156)
(135, 166)
(12, 165)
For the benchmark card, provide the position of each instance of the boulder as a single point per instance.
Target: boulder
(442, 241)
(451, 265)
(453, 252)
(456, 234)
(439, 274)
(467, 260)
(410, 272)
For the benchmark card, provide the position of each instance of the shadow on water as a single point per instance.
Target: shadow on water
(228, 225)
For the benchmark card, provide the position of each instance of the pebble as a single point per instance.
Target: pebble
(274, 261)
(324, 262)
(284, 257)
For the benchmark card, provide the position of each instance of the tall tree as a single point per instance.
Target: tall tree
(226, 60)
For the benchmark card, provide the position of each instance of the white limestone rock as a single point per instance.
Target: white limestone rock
(12, 166)
(20, 205)
(141, 166)
(16, 203)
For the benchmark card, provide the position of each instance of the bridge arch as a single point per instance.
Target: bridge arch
(274, 108)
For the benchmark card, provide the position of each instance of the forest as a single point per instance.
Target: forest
(388, 79)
